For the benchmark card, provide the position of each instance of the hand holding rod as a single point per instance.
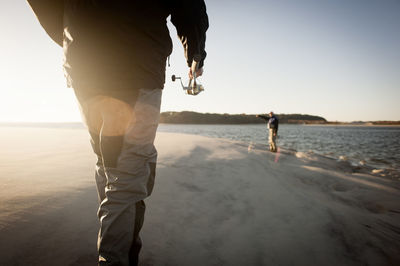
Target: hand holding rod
(193, 88)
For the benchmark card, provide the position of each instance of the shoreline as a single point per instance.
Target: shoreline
(366, 167)
(343, 163)
(354, 125)
(380, 169)
(78, 124)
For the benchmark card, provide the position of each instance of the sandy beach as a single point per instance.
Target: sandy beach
(215, 202)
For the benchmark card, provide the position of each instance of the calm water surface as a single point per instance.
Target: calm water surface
(374, 146)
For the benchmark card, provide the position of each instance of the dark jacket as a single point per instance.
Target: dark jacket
(121, 44)
(273, 122)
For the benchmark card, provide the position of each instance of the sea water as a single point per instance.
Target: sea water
(375, 146)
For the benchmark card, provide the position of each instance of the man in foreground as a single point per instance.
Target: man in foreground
(273, 124)
(115, 55)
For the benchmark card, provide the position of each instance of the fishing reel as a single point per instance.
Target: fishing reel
(193, 87)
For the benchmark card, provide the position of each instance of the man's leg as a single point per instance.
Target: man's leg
(271, 140)
(101, 181)
(274, 143)
(131, 181)
(125, 174)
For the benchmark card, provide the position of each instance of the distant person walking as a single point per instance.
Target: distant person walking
(115, 54)
(273, 124)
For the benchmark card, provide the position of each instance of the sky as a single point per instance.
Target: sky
(339, 59)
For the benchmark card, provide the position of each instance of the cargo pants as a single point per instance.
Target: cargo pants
(122, 136)
(272, 140)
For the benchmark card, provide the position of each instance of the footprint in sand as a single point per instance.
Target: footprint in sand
(375, 207)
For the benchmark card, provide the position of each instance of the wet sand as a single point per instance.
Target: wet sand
(215, 202)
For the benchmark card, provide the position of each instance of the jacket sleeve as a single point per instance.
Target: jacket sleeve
(191, 22)
(50, 14)
(266, 118)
